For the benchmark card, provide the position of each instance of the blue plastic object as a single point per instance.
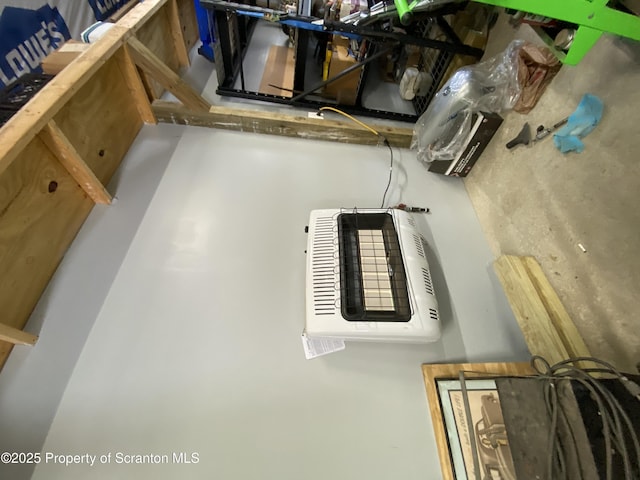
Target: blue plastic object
(205, 29)
(580, 123)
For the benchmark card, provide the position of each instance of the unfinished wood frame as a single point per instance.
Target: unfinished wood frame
(63, 149)
(155, 67)
(60, 151)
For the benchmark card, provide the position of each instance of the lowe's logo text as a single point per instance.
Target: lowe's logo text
(26, 37)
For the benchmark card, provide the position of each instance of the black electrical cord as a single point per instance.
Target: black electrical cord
(386, 142)
(617, 427)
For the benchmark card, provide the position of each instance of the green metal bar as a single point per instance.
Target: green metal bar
(549, 42)
(583, 40)
(404, 11)
(581, 12)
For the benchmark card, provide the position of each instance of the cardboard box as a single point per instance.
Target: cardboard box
(484, 126)
(60, 58)
(278, 72)
(345, 89)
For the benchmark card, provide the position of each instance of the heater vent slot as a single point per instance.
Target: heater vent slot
(433, 314)
(419, 247)
(428, 285)
(323, 267)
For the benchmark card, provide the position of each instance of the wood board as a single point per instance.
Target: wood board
(95, 101)
(280, 124)
(154, 67)
(545, 324)
(560, 319)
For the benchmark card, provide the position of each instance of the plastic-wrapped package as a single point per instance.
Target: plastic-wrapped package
(442, 130)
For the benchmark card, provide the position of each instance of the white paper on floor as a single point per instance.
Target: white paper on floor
(318, 346)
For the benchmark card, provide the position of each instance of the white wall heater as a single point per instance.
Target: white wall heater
(368, 277)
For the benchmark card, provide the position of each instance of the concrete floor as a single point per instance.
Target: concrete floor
(538, 201)
(154, 347)
(195, 345)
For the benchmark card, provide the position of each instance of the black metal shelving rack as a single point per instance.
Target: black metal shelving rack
(234, 23)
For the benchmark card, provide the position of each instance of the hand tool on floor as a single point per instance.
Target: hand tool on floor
(523, 138)
(542, 132)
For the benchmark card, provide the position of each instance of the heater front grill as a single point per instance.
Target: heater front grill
(373, 282)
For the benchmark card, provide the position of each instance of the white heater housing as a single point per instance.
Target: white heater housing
(368, 277)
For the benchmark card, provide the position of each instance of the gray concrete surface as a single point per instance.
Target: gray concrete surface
(538, 201)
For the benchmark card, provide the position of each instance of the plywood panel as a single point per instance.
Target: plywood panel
(136, 87)
(176, 33)
(155, 35)
(41, 205)
(187, 14)
(68, 156)
(101, 121)
(26, 124)
(41, 209)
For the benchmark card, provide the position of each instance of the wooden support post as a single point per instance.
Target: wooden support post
(68, 156)
(16, 336)
(147, 61)
(136, 87)
(176, 33)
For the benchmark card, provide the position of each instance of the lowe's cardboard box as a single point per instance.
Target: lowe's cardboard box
(484, 126)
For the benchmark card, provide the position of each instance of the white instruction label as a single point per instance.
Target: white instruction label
(318, 346)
